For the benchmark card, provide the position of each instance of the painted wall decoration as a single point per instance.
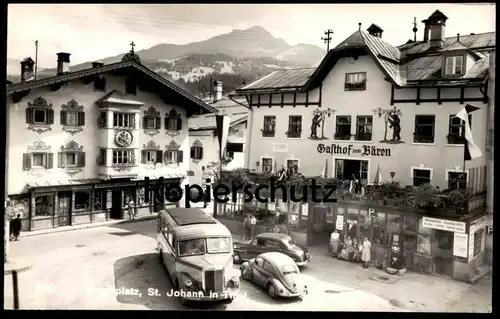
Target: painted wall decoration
(123, 138)
(392, 120)
(318, 120)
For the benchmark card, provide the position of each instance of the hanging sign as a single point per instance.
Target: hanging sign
(460, 242)
(443, 224)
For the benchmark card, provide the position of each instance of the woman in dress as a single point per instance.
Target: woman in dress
(365, 252)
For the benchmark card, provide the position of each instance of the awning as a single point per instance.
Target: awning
(58, 183)
(154, 177)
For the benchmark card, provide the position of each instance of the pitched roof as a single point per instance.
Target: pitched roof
(397, 63)
(117, 97)
(28, 85)
(207, 121)
(281, 79)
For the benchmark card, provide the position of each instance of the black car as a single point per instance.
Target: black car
(270, 242)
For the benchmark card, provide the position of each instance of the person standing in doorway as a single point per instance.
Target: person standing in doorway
(365, 252)
(16, 226)
(253, 222)
(131, 209)
(334, 243)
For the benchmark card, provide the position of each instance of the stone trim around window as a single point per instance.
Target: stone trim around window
(173, 154)
(173, 123)
(72, 117)
(38, 153)
(196, 153)
(39, 115)
(151, 121)
(71, 158)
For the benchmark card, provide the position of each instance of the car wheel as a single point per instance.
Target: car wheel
(244, 273)
(236, 258)
(271, 291)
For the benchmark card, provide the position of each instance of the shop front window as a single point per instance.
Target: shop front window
(82, 202)
(365, 225)
(352, 223)
(378, 228)
(444, 239)
(293, 215)
(424, 244)
(99, 200)
(44, 206)
(410, 223)
(329, 215)
(392, 226)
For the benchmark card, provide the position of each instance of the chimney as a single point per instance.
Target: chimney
(434, 29)
(62, 63)
(97, 64)
(375, 30)
(27, 69)
(217, 91)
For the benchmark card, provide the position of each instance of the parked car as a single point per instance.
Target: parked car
(270, 242)
(277, 273)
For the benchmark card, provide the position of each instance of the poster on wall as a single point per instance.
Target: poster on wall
(460, 242)
(339, 225)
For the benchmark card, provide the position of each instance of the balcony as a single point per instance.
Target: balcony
(425, 198)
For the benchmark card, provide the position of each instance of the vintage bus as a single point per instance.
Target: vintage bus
(197, 251)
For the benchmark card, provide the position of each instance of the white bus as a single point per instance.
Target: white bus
(197, 251)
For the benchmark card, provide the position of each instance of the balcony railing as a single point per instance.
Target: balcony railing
(425, 198)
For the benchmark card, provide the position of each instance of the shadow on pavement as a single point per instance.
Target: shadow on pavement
(142, 227)
(142, 280)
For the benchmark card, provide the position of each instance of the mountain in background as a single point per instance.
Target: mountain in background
(242, 55)
(14, 67)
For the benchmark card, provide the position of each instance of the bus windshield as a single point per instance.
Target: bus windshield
(201, 246)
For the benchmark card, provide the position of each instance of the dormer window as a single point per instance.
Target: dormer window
(454, 65)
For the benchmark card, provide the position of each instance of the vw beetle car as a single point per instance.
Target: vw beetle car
(270, 242)
(277, 273)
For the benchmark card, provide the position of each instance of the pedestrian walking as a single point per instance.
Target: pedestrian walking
(246, 227)
(253, 222)
(16, 226)
(131, 209)
(365, 252)
(334, 243)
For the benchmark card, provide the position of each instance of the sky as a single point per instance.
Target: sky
(93, 31)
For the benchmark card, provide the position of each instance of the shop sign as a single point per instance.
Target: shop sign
(339, 225)
(280, 147)
(443, 224)
(363, 150)
(460, 242)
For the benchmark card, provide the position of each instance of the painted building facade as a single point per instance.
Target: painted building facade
(80, 144)
(376, 112)
(204, 155)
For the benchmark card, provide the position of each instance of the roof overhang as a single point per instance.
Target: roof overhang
(329, 62)
(24, 86)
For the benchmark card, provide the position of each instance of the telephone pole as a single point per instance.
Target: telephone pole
(327, 39)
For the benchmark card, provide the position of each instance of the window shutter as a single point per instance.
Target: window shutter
(179, 124)
(201, 152)
(143, 157)
(50, 160)
(180, 156)
(166, 122)
(144, 123)
(29, 115)
(63, 117)
(159, 156)
(81, 118)
(26, 161)
(193, 153)
(50, 116)
(60, 160)
(158, 123)
(132, 119)
(81, 159)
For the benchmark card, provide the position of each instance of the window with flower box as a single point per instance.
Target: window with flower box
(355, 81)
(424, 129)
(364, 128)
(343, 127)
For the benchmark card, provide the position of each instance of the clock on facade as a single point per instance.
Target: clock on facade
(123, 138)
